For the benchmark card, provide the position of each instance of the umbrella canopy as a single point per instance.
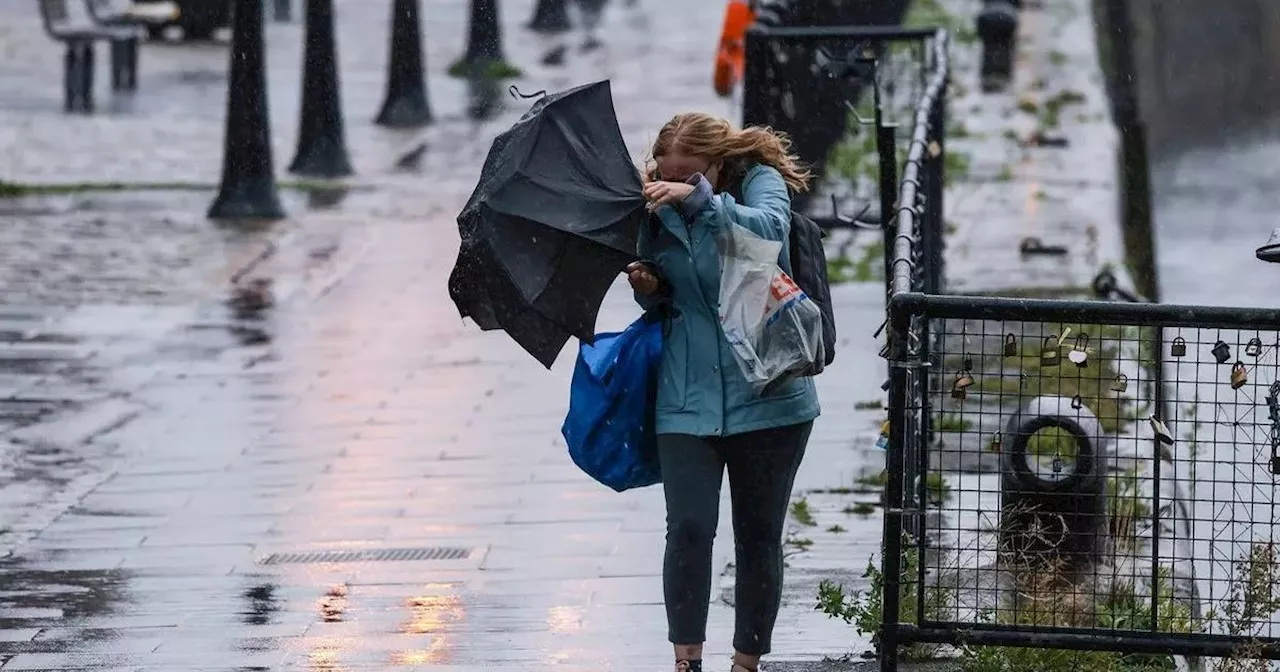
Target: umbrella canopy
(551, 223)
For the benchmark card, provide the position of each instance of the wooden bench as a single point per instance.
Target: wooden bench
(79, 34)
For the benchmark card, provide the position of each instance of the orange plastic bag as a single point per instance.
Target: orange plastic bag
(731, 57)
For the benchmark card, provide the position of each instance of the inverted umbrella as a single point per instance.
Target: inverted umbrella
(551, 223)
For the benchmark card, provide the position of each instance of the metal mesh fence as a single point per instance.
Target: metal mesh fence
(1059, 498)
(1065, 497)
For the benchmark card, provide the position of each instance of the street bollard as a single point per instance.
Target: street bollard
(406, 104)
(484, 57)
(1055, 514)
(550, 16)
(248, 188)
(997, 28)
(322, 148)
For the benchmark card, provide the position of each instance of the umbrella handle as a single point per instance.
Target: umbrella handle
(515, 93)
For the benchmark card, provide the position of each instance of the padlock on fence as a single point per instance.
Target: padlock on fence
(1079, 354)
(1221, 352)
(1049, 353)
(1239, 376)
(1120, 384)
(959, 389)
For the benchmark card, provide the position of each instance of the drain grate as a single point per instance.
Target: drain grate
(369, 555)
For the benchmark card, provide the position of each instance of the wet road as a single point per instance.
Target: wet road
(170, 464)
(1214, 207)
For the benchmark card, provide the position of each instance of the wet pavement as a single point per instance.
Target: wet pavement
(360, 415)
(1221, 198)
(1009, 188)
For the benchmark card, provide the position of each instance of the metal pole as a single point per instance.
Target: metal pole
(406, 104)
(755, 77)
(887, 151)
(891, 560)
(1136, 219)
(322, 148)
(248, 188)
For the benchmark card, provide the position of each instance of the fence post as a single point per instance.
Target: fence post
(322, 148)
(550, 16)
(248, 188)
(406, 104)
(754, 77)
(887, 151)
(891, 544)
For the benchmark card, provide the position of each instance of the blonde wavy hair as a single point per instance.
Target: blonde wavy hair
(716, 140)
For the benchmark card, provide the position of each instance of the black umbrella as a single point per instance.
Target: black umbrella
(551, 224)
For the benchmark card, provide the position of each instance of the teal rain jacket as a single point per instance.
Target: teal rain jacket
(701, 391)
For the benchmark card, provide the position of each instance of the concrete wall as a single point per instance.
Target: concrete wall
(1206, 68)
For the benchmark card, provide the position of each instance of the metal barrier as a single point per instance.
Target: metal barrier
(1084, 475)
(1182, 556)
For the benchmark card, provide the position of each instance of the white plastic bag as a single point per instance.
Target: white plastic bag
(774, 329)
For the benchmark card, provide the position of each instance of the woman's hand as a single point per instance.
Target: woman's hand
(666, 193)
(642, 280)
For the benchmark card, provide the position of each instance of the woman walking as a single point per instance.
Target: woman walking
(706, 176)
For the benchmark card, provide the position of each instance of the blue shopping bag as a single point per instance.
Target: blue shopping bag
(610, 425)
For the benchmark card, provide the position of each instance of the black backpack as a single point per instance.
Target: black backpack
(809, 270)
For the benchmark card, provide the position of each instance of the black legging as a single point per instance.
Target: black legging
(762, 468)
